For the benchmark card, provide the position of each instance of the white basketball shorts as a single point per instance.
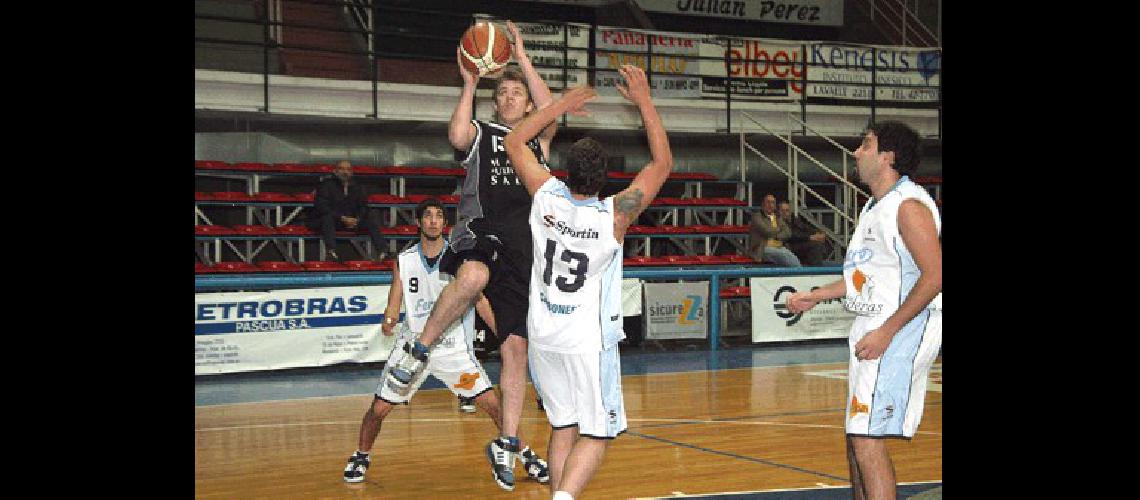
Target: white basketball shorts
(886, 395)
(456, 368)
(580, 389)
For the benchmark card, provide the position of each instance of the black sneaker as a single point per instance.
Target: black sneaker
(357, 466)
(535, 466)
(466, 405)
(501, 453)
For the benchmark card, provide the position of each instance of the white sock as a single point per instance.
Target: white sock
(561, 495)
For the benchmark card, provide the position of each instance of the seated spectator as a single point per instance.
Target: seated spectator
(340, 204)
(805, 241)
(766, 236)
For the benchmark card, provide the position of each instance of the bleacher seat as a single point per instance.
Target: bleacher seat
(203, 196)
(234, 196)
(404, 230)
(367, 170)
(274, 197)
(213, 230)
(280, 267)
(323, 265)
(254, 230)
(732, 292)
(305, 197)
(294, 230)
(386, 199)
(369, 265)
(202, 268)
(235, 267)
(211, 165)
(253, 166)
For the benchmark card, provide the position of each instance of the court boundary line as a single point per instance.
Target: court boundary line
(742, 457)
(196, 405)
(698, 495)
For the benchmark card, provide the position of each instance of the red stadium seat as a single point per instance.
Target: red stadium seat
(306, 197)
(274, 197)
(663, 200)
(367, 170)
(386, 199)
(203, 196)
(235, 267)
(724, 201)
(254, 230)
(416, 198)
(235, 196)
(639, 260)
(621, 175)
(249, 166)
(368, 265)
(294, 230)
(731, 292)
(214, 230)
(202, 268)
(636, 229)
(280, 267)
(211, 165)
(437, 171)
(681, 260)
(449, 199)
(740, 259)
(400, 170)
(321, 265)
(401, 230)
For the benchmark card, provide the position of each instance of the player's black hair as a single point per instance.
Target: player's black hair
(901, 139)
(586, 167)
(430, 202)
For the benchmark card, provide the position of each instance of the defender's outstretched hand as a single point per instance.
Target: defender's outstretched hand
(576, 99)
(636, 88)
(518, 48)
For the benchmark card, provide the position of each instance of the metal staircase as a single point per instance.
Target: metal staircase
(838, 215)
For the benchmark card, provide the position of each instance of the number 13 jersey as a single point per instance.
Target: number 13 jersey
(575, 287)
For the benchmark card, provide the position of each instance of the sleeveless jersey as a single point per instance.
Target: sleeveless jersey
(575, 292)
(878, 271)
(422, 285)
(493, 195)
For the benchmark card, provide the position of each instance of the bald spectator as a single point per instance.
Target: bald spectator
(340, 204)
(766, 236)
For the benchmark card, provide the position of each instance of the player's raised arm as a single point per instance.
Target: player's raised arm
(522, 158)
(632, 201)
(539, 92)
(460, 130)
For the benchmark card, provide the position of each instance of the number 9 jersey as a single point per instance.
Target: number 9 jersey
(575, 292)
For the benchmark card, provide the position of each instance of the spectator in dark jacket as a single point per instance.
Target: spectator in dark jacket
(805, 241)
(340, 204)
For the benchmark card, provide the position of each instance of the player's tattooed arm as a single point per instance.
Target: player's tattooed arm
(628, 204)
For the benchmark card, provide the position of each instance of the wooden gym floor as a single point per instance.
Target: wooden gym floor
(747, 420)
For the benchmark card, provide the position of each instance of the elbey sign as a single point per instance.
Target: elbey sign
(813, 12)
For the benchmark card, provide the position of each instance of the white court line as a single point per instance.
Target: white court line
(528, 383)
(460, 419)
(776, 490)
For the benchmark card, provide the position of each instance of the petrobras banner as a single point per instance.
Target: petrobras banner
(676, 310)
(760, 69)
(846, 73)
(810, 12)
(275, 329)
(772, 322)
(664, 56)
(544, 45)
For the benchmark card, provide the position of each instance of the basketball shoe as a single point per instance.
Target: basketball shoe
(357, 465)
(535, 466)
(501, 453)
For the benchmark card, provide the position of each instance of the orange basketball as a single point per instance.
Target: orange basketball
(484, 48)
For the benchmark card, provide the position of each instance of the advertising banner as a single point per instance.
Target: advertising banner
(760, 69)
(275, 329)
(772, 322)
(841, 67)
(660, 54)
(809, 12)
(676, 310)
